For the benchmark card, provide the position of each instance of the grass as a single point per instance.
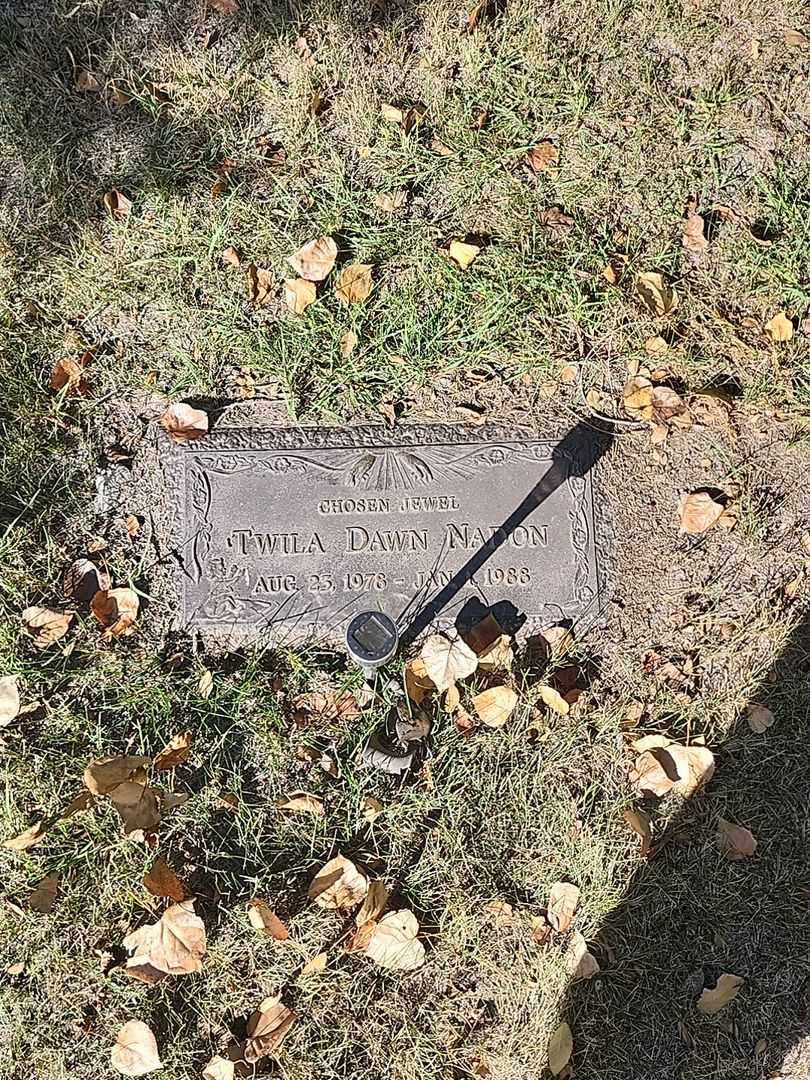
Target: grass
(647, 108)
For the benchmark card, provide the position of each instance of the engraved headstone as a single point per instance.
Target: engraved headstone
(283, 535)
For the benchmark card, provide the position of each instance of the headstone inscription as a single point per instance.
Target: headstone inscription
(284, 535)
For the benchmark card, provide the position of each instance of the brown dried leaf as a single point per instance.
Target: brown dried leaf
(557, 223)
(394, 944)
(759, 718)
(655, 292)
(418, 685)
(68, 373)
(43, 897)
(796, 38)
(374, 903)
(680, 769)
(391, 201)
(9, 699)
(230, 256)
(325, 707)
(176, 751)
(117, 205)
(692, 230)
(316, 965)
(735, 841)
(452, 699)
(638, 398)
(495, 706)
(667, 404)
(103, 774)
(139, 806)
(727, 988)
(499, 656)
(541, 157)
(338, 885)
(116, 610)
(84, 579)
(462, 254)
(219, 1068)
(314, 261)
(184, 423)
(581, 963)
(354, 283)
(553, 699)
(175, 945)
(371, 808)
(135, 1052)
(161, 880)
(266, 1028)
(780, 327)
(639, 822)
(45, 626)
(502, 914)
(27, 839)
(348, 343)
(264, 919)
(86, 82)
(260, 284)
(298, 294)
(560, 1049)
(301, 802)
(447, 660)
(698, 512)
(562, 903)
(224, 7)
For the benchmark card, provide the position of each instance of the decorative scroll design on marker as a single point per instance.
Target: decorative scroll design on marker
(199, 487)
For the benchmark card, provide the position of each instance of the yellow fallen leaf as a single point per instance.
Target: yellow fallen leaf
(698, 512)
(205, 683)
(348, 343)
(230, 256)
(655, 292)
(712, 1001)
(298, 294)
(314, 261)
(637, 397)
(135, 1052)
(495, 706)
(219, 1068)
(27, 839)
(562, 903)
(553, 699)
(371, 808)
(184, 423)
(354, 283)
(316, 965)
(463, 255)
(674, 768)
(780, 327)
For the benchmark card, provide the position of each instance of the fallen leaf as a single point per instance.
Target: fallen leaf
(224, 7)
(348, 343)
(68, 373)
(314, 261)
(86, 82)
(391, 201)
(502, 914)
(15, 969)
(298, 294)
(43, 897)
(440, 147)
(447, 660)
(168, 801)
(135, 1052)
(117, 205)
(175, 945)
(219, 1068)
(116, 610)
(324, 707)
(230, 256)
(680, 769)
(735, 841)
(559, 639)
(553, 699)
(266, 1028)
(103, 774)
(759, 718)
(374, 904)
(712, 1001)
(316, 965)
(495, 706)
(668, 405)
(45, 626)
(555, 222)
(637, 397)
(394, 944)
(139, 807)
(175, 752)
(301, 802)
(354, 283)
(698, 512)
(462, 254)
(581, 963)
(452, 699)
(542, 156)
(9, 699)
(260, 284)
(205, 683)
(338, 885)
(84, 579)
(655, 292)
(27, 839)
(406, 118)
(562, 903)
(780, 327)
(161, 880)
(371, 808)
(692, 230)
(614, 270)
(655, 345)
(265, 920)
(639, 822)
(184, 423)
(541, 931)
(796, 38)
(499, 656)
(560, 1048)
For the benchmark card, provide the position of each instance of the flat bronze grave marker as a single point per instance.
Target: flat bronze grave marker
(283, 535)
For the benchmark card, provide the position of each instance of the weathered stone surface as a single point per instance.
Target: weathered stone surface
(283, 534)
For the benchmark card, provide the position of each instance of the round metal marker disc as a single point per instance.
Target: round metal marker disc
(372, 638)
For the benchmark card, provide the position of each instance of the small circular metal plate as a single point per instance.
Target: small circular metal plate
(372, 638)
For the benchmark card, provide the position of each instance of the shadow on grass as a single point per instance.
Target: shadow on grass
(690, 914)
